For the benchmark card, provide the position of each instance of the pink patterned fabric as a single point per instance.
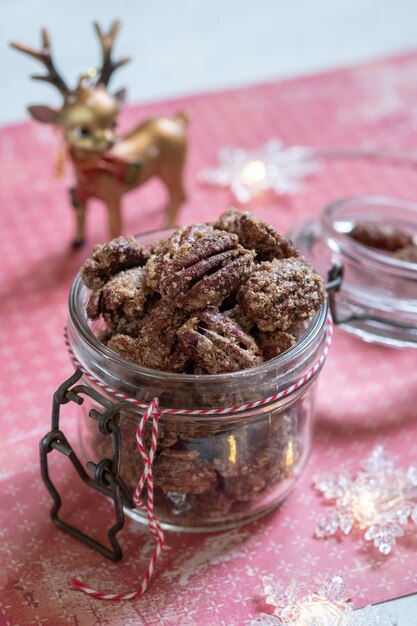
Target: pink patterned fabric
(367, 394)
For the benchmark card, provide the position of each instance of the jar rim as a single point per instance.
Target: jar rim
(359, 252)
(79, 321)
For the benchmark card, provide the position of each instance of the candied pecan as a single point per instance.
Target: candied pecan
(199, 267)
(281, 291)
(122, 302)
(408, 253)
(212, 504)
(299, 328)
(382, 236)
(242, 449)
(158, 338)
(156, 345)
(93, 307)
(265, 454)
(118, 323)
(231, 452)
(255, 235)
(167, 436)
(127, 290)
(155, 263)
(199, 371)
(164, 250)
(217, 343)
(274, 343)
(238, 315)
(106, 261)
(183, 471)
(127, 347)
(246, 486)
(131, 460)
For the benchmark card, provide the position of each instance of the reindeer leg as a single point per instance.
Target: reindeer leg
(115, 216)
(175, 187)
(80, 213)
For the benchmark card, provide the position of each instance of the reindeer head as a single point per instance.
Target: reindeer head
(89, 112)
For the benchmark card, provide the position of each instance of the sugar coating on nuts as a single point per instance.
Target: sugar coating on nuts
(381, 236)
(115, 256)
(238, 315)
(408, 253)
(209, 299)
(274, 343)
(255, 235)
(183, 471)
(280, 292)
(201, 267)
(122, 302)
(218, 344)
(156, 345)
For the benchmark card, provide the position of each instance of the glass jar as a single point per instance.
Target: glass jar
(210, 471)
(378, 297)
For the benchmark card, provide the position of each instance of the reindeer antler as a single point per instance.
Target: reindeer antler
(45, 57)
(106, 42)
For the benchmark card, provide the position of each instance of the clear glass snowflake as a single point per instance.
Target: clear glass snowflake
(271, 167)
(295, 605)
(380, 500)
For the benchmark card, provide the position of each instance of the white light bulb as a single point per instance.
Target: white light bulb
(253, 173)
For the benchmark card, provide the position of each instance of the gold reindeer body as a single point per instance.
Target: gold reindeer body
(107, 166)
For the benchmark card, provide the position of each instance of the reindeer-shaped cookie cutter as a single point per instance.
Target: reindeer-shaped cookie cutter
(106, 166)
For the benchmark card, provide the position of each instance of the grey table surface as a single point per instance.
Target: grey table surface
(185, 46)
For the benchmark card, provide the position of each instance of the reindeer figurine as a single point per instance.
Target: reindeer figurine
(107, 166)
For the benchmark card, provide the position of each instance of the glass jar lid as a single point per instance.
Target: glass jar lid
(377, 300)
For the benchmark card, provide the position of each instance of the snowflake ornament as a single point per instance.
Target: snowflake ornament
(295, 605)
(272, 167)
(380, 500)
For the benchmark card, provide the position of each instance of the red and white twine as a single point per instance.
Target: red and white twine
(222, 410)
(155, 529)
(152, 413)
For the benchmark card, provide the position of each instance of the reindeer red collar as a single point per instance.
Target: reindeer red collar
(107, 166)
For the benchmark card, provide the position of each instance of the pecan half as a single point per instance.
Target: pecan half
(274, 343)
(238, 315)
(218, 344)
(156, 345)
(183, 471)
(200, 267)
(255, 235)
(122, 302)
(280, 292)
(408, 253)
(127, 347)
(180, 242)
(381, 236)
(106, 261)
